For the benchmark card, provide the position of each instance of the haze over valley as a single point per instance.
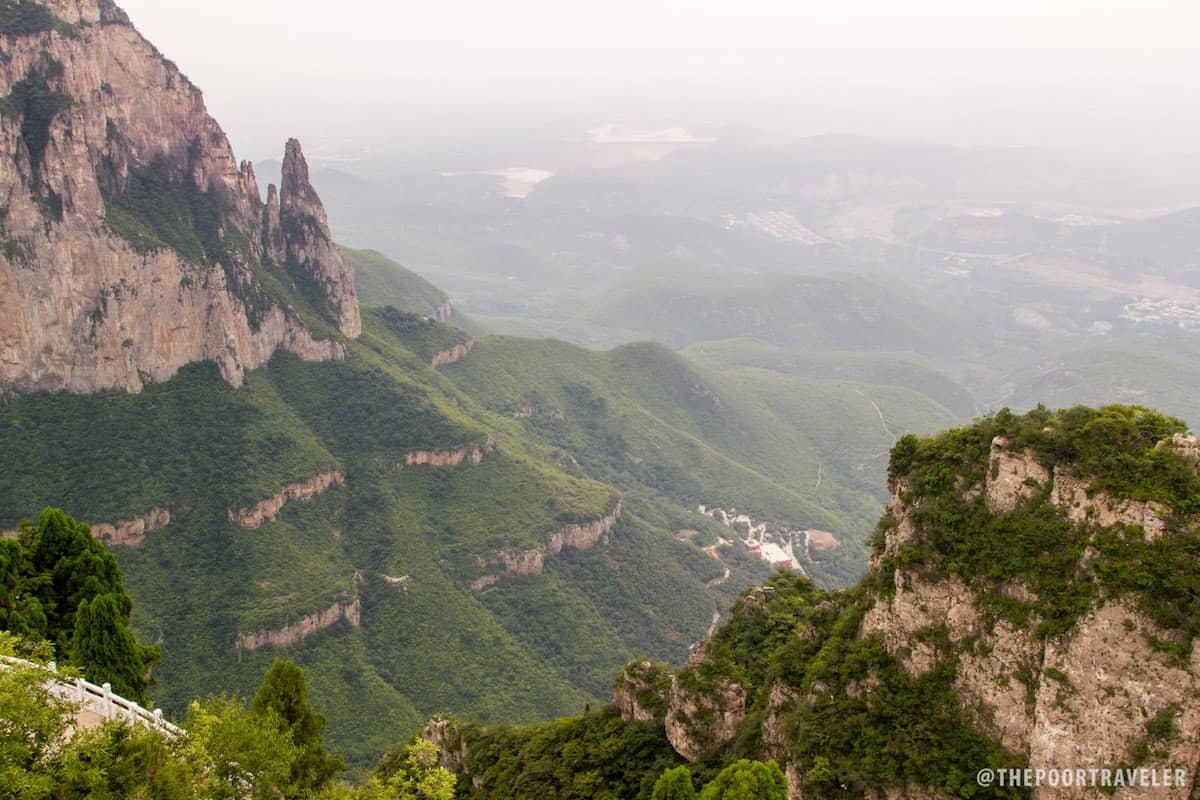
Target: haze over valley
(636, 401)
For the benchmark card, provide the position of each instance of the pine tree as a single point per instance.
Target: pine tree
(284, 692)
(106, 651)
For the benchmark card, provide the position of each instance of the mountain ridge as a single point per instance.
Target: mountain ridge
(133, 242)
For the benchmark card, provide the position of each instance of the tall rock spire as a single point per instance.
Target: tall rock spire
(308, 244)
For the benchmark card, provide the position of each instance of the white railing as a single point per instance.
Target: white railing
(100, 700)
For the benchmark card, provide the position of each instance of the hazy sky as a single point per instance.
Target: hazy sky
(1096, 74)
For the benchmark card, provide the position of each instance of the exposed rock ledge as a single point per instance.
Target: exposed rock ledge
(1014, 477)
(267, 510)
(443, 357)
(581, 536)
(126, 532)
(131, 532)
(348, 610)
(449, 458)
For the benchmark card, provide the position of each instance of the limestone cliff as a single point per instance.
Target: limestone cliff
(266, 510)
(450, 458)
(348, 610)
(642, 692)
(705, 708)
(131, 532)
(581, 536)
(133, 241)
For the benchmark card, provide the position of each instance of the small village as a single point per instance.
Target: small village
(784, 548)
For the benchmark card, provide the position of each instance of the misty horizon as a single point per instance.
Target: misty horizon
(1090, 79)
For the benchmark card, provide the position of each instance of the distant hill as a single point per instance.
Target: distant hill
(680, 303)
(1163, 371)
(887, 369)
(383, 282)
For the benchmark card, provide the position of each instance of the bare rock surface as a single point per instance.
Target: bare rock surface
(84, 308)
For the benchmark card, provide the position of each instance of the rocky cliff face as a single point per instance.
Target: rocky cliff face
(348, 610)
(132, 239)
(704, 710)
(1110, 690)
(266, 510)
(642, 692)
(580, 536)
(308, 244)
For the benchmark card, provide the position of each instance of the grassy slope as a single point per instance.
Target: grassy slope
(383, 282)
(642, 417)
(198, 447)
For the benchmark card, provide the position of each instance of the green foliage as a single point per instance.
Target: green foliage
(104, 648)
(414, 775)
(35, 722)
(284, 696)
(642, 418)
(43, 755)
(63, 586)
(675, 784)
(747, 780)
(199, 448)
(420, 334)
(25, 17)
(157, 210)
(382, 282)
(34, 102)
(594, 756)
(240, 753)
(1115, 450)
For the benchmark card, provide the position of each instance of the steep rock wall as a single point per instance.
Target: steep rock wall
(1081, 699)
(85, 309)
(348, 610)
(704, 712)
(266, 510)
(581, 536)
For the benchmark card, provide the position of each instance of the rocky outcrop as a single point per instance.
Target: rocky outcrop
(1082, 699)
(450, 458)
(266, 510)
(94, 295)
(581, 536)
(1185, 445)
(131, 532)
(1082, 504)
(1012, 477)
(348, 610)
(704, 711)
(308, 243)
(443, 357)
(444, 312)
(642, 692)
(780, 702)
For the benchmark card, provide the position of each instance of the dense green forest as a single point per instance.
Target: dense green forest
(833, 702)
